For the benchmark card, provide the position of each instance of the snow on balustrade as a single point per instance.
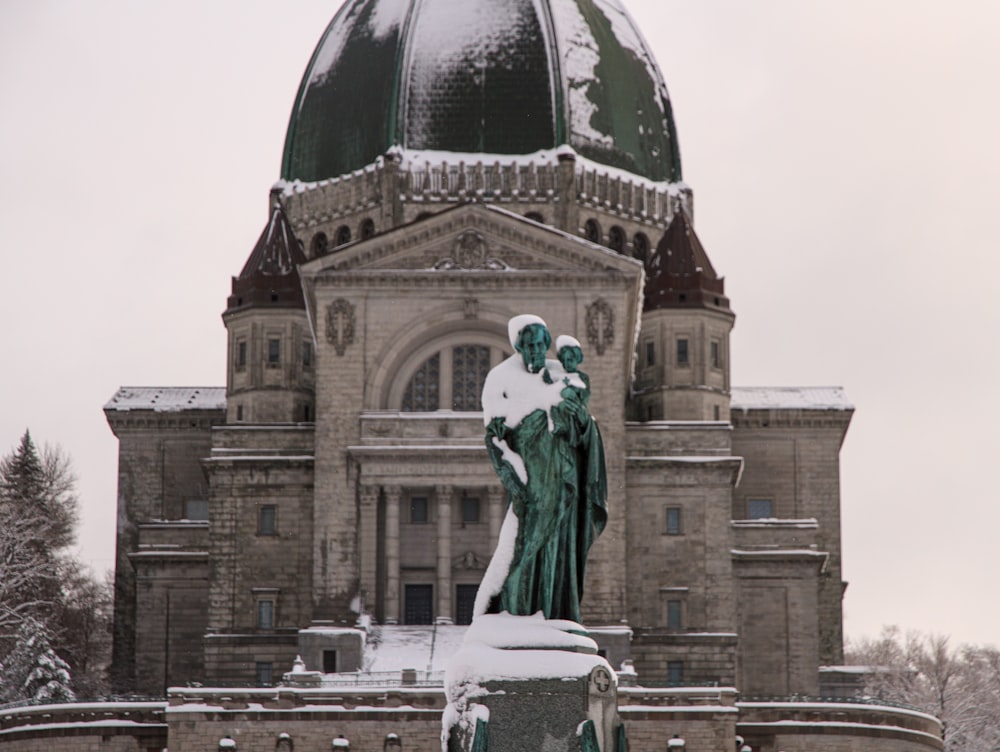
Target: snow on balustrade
(444, 177)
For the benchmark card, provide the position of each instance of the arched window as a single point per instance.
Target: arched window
(640, 247)
(450, 379)
(616, 239)
(367, 229)
(319, 244)
(592, 231)
(343, 235)
(422, 391)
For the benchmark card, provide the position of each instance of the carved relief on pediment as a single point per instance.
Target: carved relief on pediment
(470, 251)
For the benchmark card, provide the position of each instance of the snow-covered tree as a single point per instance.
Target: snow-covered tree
(38, 513)
(46, 597)
(959, 686)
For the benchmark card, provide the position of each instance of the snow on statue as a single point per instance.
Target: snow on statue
(547, 450)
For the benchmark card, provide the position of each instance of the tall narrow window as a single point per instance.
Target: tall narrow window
(265, 673)
(239, 412)
(675, 673)
(307, 354)
(674, 521)
(241, 355)
(422, 392)
(650, 353)
(273, 352)
(716, 354)
(673, 614)
(265, 614)
(267, 519)
(682, 352)
(470, 364)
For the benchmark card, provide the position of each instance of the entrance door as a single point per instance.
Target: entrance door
(418, 604)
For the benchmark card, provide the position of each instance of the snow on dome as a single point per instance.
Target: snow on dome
(501, 77)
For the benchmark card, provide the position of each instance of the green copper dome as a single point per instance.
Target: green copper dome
(498, 77)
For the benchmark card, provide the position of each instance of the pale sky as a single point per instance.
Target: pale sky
(844, 160)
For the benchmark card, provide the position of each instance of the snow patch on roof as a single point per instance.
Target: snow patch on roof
(790, 398)
(165, 399)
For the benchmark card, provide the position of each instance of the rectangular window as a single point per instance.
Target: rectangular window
(265, 614)
(759, 509)
(675, 673)
(715, 354)
(716, 413)
(682, 352)
(674, 614)
(418, 604)
(418, 510)
(329, 661)
(674, 521)
(196, 509)
(241, 355)
(265, 673)
(307, 354)
(267, 519)
(650, 353)
(470, 510)
(274, 352)
(239, 412)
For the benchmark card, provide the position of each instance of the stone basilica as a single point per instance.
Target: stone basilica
(447, 166)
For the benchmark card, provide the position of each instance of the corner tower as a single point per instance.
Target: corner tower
(683, 360)
(270, 363)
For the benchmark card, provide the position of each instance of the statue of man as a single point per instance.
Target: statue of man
(547, 450)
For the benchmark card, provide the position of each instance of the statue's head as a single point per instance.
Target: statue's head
(569, 352)
(530, 336)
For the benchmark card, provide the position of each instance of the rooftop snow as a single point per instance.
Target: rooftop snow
(165, 399)
(790, 398)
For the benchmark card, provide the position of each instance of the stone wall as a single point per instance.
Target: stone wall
(793, 458)
(159, 471)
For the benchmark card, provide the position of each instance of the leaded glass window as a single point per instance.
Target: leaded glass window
(422, 392)
(469, 366)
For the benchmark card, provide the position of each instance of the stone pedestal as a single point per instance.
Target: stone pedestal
(518, 695)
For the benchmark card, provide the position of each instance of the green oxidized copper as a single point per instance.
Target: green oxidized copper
(562, 507)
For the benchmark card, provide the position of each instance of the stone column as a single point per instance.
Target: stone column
(444, 501)
(368, 534)
(496, 501)
(392, 500)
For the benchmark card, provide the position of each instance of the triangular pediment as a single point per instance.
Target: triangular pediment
(472, 238)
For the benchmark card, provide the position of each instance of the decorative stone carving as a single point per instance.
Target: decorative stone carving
(340, 325)
(471, 308)
(600, 325)
(470, 252)
(468, 560)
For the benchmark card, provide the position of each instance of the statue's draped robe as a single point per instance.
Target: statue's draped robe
(560, 510)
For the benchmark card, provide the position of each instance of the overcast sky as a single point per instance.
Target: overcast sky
(845, 163)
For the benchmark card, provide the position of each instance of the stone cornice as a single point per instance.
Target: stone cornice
(139, 420)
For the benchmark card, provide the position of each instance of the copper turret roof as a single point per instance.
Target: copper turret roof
(270, 276)
(679, 274)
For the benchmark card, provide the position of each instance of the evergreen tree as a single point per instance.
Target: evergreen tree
(34, 672)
